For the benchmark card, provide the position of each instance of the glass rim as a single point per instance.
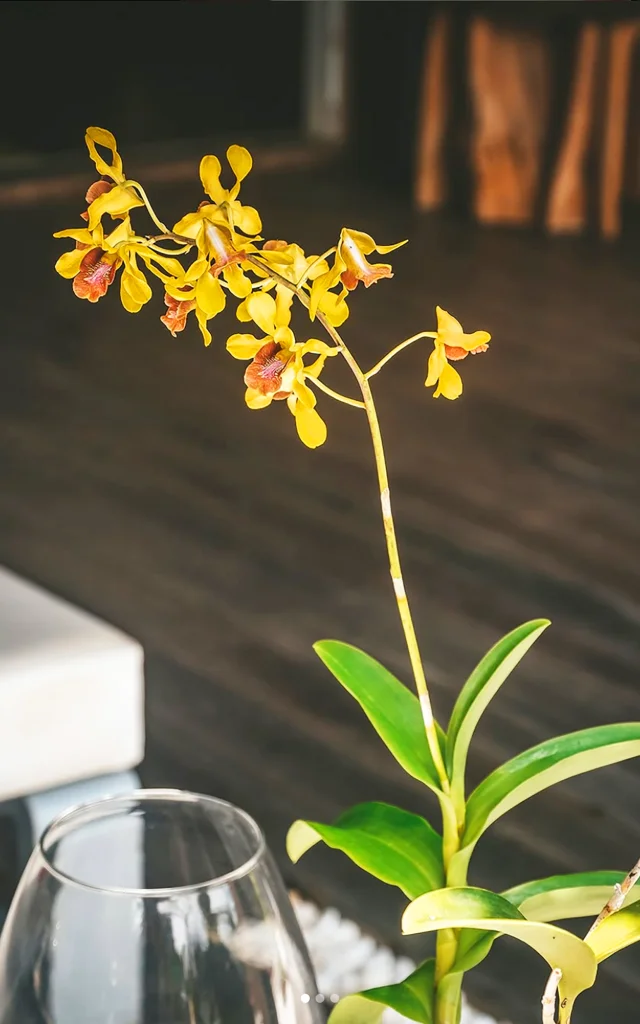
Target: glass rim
(151, 795)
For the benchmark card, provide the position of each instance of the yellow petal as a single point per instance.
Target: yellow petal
(177, 290)
(122, 233)
(364, 242)
(304, 394)
(334, 308)
(244, 346)
(128, 300)
(196, 270)
(202, 324)
(210, 169)
(68, 264)
(210, 295)
(255, 400)
(262, 310)
(242, 312)
(437, 362)
(315, 368)
(153, 260)
(135, 283)
(239, 283)
(101, 137)
(447, 324)
(471, 341)
(317, 347)
(284, 299)
(312, 430)
(321, 286)
(189, 225)
(116, 202)
(390, 248)
(285, 337)
(450, 383)
(241, 162)
(247, 219)
(78, 235)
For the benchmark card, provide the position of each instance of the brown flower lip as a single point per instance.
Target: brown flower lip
(95, 275)
(368, 276)
(175, 319)
(264, 372)
(454, 352)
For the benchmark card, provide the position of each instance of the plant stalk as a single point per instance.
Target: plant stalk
(389, 525)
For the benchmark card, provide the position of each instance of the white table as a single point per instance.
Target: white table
(71, 706)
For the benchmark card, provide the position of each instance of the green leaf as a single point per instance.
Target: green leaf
(481, 909)
(356, 1009)
(543, 766)
(557, 898)
(413, 998)
(394, 845)
(617, 931)
(481, 686)
(392, 709)
(565, 896)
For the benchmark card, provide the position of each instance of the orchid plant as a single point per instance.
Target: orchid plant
(215, 254)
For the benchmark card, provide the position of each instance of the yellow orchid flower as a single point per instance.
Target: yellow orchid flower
(277, 370)
(225, 211)
(94, 262)
(350, 266)
(196, 288)
(291, 262)
(451, 343)
(116, 196)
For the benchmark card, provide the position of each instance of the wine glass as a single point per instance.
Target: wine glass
(158, 907)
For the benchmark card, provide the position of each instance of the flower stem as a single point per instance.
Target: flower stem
(335, 394)
(150, 209)
(389, 527)
(394, 351)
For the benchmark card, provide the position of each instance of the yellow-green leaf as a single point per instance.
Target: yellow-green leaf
(617, 931)
(480, 909)
(562, 897)
(481, 686)
(542, 766)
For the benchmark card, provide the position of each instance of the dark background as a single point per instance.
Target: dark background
(136, 484)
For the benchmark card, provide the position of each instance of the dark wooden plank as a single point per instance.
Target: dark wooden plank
(136, 484)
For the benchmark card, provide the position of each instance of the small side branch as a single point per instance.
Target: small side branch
(615, 903)
(549, 997)
(618, 897)
(335, 394)
(394, 351)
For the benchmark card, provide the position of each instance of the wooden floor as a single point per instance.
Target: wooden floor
(137, 484)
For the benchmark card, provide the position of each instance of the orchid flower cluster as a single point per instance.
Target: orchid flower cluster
(229, 258)
(217, 252)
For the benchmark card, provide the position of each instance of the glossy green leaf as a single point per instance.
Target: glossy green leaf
(394, 845)
(413, 997)
(616, 931)
(481, 909)
(481, 686)
(473, 946)
(545, 765)
(562, 897)
(392, 709)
